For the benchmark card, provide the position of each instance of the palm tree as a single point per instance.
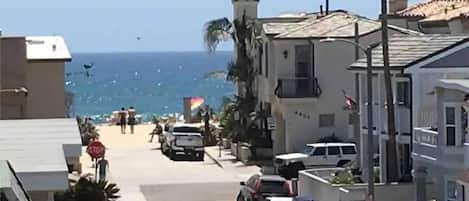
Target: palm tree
(88, 189)
(391, 149)
(241, 71)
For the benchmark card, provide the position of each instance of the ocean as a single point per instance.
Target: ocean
(154, 83)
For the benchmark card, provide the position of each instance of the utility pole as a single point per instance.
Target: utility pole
(392, 167)
(370, 141)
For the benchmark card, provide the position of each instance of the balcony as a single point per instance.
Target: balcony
(425, 144)
(298, 88)
(427, 149)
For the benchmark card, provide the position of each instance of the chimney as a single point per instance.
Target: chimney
(397, 5)
(248, 7)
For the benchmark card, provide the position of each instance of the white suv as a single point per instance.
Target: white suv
(317, 154)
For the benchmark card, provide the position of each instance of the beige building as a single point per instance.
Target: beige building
(36, 65)
(433, 16)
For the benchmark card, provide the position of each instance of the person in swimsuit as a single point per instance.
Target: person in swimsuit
(132, 121)
(123, 119)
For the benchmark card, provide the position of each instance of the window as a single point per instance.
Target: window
(266, 56)
(463, 125)
(348, 150)
(308, 150)
(320, 151)
(333, 151)
(326, 120)
(403, 93)
(186, 129)
(303, 61)
(450, 121)
(259, 57)
(451, 190)
(275, 187)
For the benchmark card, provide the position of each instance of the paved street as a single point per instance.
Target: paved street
(143, 173)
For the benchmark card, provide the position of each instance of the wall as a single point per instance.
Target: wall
(46, 98)
(316, 187)
(13, 75)
(312, 186)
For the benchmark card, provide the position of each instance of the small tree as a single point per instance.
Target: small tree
(88, 189)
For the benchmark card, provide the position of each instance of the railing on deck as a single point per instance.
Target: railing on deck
(298, 88)
(426, 136)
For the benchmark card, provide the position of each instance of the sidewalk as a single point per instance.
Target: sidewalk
(229, 161)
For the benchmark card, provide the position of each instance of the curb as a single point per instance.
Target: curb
(214, 159)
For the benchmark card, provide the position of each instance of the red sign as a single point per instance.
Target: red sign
(96, 149)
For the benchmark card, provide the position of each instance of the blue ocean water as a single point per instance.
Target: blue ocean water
(154, 83)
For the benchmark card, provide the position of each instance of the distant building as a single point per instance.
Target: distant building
(433, 16)
(35, 64)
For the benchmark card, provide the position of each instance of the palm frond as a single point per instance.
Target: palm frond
(216, 31)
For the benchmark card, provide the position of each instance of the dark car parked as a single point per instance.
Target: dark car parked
(258, 187)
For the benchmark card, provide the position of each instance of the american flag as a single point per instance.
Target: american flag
(350, 104)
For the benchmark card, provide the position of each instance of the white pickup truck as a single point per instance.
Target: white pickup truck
(185, 139)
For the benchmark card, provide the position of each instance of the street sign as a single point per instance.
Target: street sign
(271, 123)
(96, 149)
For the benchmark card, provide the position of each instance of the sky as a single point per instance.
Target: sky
(114, 25)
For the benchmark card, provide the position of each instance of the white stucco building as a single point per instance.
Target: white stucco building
(302, 81)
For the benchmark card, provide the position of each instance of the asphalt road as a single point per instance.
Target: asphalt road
(193, 192)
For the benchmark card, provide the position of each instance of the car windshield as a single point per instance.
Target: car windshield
(274, 188)
(308, 150)
(186, 129)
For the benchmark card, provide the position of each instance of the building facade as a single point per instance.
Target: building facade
(303, 80)
(417, 63)
(37, 65)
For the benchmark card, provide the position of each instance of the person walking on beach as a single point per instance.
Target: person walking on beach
(123, 119)
(132, 121)
(157, 131)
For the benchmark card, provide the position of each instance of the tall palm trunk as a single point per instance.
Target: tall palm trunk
(391, 149)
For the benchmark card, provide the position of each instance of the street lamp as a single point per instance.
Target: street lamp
(367, 52)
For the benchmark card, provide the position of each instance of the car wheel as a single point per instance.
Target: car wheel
(342, 163)
(172, 154)
(200, 156)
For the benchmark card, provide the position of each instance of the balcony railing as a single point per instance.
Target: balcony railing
(298, 88)
(426, 136)
(425, 145)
